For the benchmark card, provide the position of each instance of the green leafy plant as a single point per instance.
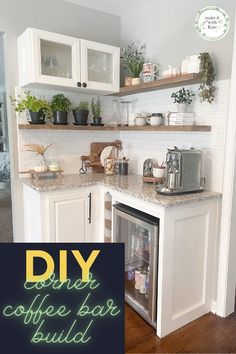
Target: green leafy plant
(96, 108)
(60, 103)
(133, 59)
(82, 106)
(208, 76)
(183, 96)
(31, 103)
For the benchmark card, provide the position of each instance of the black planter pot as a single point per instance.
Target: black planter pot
(60, 117)
(37, 117)
(97, 120)
(81, 116)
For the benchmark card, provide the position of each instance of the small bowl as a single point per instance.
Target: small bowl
(54, 167)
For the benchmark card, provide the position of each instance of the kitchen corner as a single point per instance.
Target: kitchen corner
(117, 128)
(55, 208)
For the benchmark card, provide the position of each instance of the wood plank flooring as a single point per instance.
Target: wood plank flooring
(209, 334)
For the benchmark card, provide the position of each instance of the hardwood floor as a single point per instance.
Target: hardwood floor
(209, 334)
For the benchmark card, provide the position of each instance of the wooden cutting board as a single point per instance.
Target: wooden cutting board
(93, 160)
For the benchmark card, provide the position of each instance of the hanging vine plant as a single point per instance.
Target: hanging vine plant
(207, 72)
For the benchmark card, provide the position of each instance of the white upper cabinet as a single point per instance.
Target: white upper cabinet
(57, 60)
(48, 58)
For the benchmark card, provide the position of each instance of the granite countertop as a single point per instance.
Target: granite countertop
(131, 185)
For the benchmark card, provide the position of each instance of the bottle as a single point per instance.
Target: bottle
(147, 282)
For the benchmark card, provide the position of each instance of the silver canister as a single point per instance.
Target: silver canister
(173, 180)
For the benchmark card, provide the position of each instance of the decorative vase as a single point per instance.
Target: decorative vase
(81, 116)
(128, 80)
(135, 80)
(181, 107)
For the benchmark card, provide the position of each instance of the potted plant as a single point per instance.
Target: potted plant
(38, 107)
(60, 106)
(207, 72)
(133, 60)
(96, 111)
(182, 98)
(81, 112)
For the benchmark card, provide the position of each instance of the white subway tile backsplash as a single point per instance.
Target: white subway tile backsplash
(68, 146)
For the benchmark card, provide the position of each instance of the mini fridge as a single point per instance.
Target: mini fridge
(139, 232)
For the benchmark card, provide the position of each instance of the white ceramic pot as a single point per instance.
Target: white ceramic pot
(40, 168)
(135, 80)
(158, 172)
(155, 121)
(140, 121)
(181, 107)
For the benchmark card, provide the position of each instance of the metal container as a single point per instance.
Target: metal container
(173, 180)
(123, 167)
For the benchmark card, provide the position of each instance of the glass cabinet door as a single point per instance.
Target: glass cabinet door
(100, 66)
(57, 58)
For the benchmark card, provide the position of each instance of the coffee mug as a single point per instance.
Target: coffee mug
(140, 121)
(149, 77)
(154, 120)
(149, 68)
(158, 172)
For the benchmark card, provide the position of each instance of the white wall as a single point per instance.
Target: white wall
(54, 15)
(68, 146)
(167, 29)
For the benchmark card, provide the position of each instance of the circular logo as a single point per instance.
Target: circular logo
(212, 23)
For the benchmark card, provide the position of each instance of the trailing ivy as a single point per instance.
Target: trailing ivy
(207, 72)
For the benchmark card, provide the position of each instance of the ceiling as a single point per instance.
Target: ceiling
(115, 7)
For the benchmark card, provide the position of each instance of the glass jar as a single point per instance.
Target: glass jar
(109, 167)
(123, 167)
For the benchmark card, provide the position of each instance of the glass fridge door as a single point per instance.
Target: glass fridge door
(140, 238)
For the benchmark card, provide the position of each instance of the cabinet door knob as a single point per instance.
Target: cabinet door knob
(84, 84)
(79, 84)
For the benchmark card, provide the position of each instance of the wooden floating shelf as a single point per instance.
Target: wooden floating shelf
(146, 128)
(179, 80)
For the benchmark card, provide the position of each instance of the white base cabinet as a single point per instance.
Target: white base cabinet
(69, 219)
(188, 241)
(60, 216)
(187, 259)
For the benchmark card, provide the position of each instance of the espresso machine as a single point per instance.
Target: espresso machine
(183, 172)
